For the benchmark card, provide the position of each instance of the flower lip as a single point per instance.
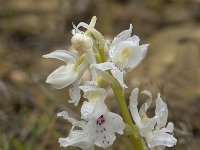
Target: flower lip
(62, 76)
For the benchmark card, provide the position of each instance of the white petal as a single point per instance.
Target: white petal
(163, 139)
(83, 24)
(135, 40)
(104, 66)
(74, 93)
(168, 129)
(115, 121)
(105, 142)
(122, 53)
(103, 131)
(61, 55)
(161, 111)
(148, 126)
(76, 30)
(119, 75)
(144, 48)
(133, 107)
(82, 68)
(91, 60)
(93, 93)
(77, 138)
(138, 54)
(145, 106)
(97, 35)
(93, 109)
(62, 76)
(73, 121)
(124, 35)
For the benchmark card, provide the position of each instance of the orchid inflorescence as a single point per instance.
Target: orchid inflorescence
(107, 63)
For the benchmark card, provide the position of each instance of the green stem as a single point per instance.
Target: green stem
(137, 142)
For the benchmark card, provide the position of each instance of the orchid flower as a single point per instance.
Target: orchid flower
(98, 131)
(67, 74)
(78, 138)
(125, 51)
(154, 130)
(95, 106)
(125, 54)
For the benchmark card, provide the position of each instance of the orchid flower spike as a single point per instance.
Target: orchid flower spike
(154, 130)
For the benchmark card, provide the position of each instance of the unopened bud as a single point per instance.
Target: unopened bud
(81, 42)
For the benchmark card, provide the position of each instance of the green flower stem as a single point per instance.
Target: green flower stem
(119, 94)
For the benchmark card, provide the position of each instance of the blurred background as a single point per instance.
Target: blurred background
(31, 28)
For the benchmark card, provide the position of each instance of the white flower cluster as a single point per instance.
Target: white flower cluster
(98, 125)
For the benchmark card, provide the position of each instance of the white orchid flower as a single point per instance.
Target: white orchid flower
(125, 54)
(97, 114)
(125, 51)
(95, 131)
(67, 74)
(95, 106)
(78, 138)
(154, 130)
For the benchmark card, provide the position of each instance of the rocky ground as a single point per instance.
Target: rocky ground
(29, 29)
